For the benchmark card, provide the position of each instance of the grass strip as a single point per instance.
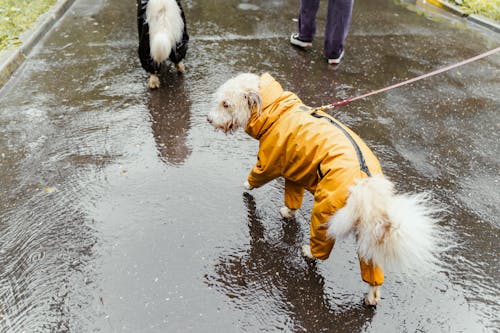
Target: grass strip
(16, 16)
(486, 8)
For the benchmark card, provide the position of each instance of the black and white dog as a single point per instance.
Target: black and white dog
(162, 35)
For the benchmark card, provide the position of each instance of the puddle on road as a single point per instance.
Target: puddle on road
(170, 109)
(146, 226)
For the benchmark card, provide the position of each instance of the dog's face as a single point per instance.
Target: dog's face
(234, 102)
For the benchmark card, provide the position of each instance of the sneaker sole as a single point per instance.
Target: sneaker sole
(337, 60)
(299, 43)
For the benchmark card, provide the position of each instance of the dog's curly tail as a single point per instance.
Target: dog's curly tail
(165, 27)
(394, 231)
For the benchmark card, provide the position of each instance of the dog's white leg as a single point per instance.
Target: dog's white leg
(306, 251)
(247, 185)
(154, 81)
(287, 213)
(373, 295)
(180, 67)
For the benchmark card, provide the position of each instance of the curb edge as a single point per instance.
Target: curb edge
(478, 19)
(12, 60)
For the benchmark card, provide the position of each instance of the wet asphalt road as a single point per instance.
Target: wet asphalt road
(121, 210)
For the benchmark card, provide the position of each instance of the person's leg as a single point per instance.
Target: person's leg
(307, 19)
(337, 26)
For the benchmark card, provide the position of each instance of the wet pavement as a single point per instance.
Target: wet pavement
(121, 210)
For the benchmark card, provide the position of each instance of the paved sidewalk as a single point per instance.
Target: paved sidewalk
(122, 209)
(12, 58)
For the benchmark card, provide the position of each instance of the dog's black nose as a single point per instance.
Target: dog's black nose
(209, 120)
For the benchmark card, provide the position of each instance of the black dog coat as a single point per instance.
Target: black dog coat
(176, 55)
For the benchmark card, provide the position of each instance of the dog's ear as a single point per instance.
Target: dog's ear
(254, 101)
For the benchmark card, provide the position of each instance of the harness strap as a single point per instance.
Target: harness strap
(361, 159)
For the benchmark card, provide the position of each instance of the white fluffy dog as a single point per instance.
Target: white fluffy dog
(352, 196)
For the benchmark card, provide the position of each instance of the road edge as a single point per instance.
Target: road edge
(12, 59)
(478, 19)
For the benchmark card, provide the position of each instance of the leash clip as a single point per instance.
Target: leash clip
(313, 111)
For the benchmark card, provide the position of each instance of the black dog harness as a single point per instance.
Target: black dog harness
(362, 163)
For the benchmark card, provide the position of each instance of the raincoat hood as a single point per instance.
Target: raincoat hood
(274, 102)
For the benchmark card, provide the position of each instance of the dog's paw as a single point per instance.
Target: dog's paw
(373, 296)
(180, 67)
(247, 185)
(306, 251)
(287, 213)
(154, 81)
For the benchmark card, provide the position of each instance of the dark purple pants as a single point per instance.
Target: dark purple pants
(338, 21)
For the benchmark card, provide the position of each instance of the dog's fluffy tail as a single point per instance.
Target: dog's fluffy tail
(394, 231)
(165, 27)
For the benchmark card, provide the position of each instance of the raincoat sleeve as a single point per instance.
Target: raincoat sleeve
(293, 194)
(263, 172)
(321, 244)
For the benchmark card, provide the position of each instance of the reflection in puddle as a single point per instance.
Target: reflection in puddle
(272, 281)
(169, 107)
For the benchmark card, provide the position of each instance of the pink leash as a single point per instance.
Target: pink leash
(349, 100)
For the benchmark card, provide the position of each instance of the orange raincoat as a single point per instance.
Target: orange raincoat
(314, 152)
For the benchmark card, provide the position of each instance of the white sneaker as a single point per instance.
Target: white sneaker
(294, 40)
(336, 61)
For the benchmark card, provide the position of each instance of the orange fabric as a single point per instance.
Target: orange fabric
(371, 274)
(293, 194)
(301, 148)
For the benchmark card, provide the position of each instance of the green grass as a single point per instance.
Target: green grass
(486, 8)
(16, 16)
